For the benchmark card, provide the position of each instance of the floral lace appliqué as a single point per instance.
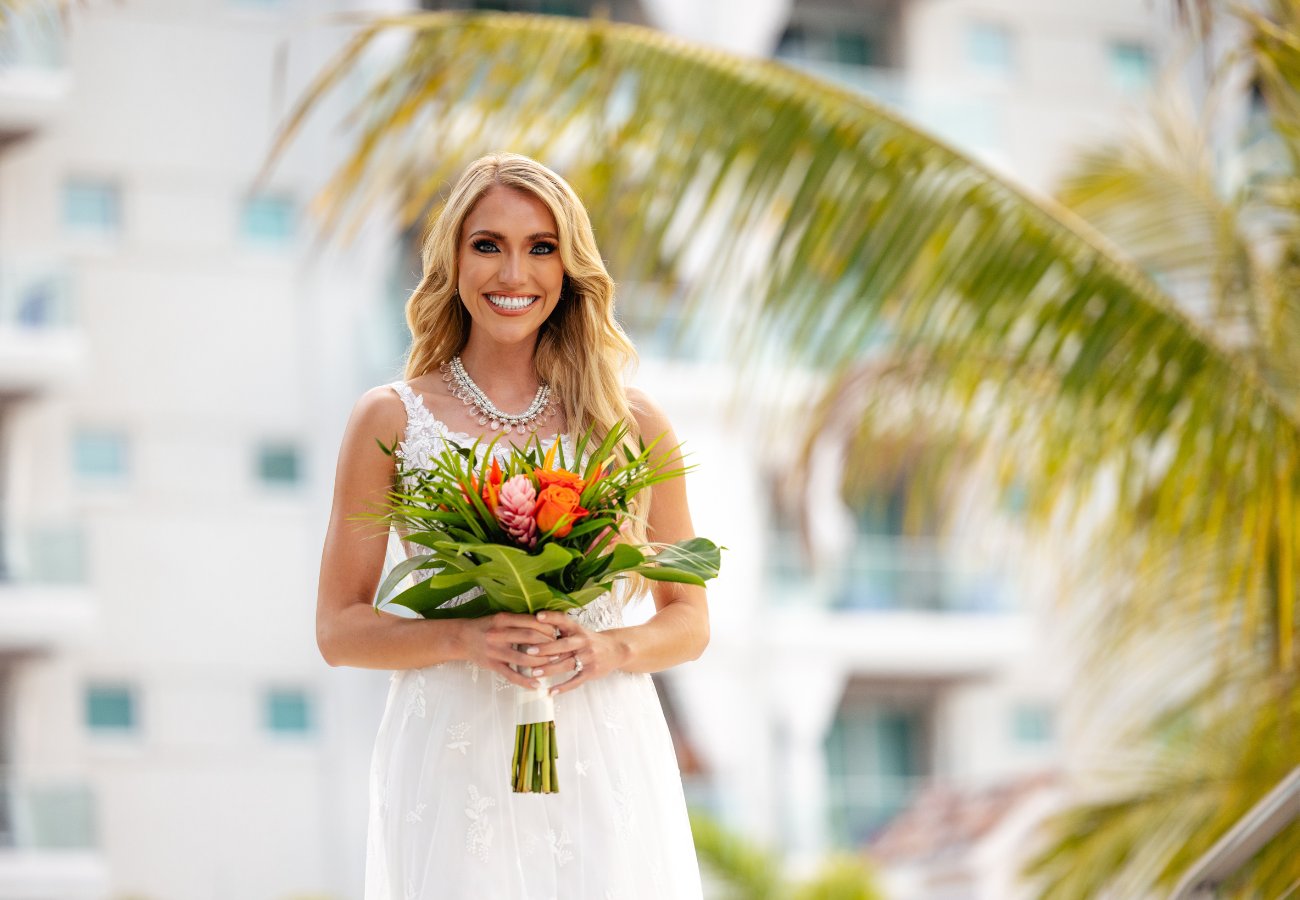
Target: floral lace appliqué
(478, 837)
(559, 846)
(417, 814)
(415, 702)
(456, 735)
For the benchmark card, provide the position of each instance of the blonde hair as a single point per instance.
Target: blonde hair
(581, 350)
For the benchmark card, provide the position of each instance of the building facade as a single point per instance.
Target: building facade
(177, 360)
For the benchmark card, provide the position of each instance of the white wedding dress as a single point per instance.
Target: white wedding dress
(444, 822)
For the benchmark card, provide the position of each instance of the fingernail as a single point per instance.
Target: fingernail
(552, 692)
(555, 659)
(536, 672)
(541, 617)
(532, 651)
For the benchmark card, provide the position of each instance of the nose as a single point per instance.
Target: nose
(512, 269)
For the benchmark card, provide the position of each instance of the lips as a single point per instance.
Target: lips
(511, 302)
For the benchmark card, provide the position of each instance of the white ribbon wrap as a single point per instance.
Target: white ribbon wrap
(534, 704)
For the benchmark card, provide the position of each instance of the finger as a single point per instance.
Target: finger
(525, 661)
(563, 646)
(523, 620)
(529, 637)
(577, 680)
(563, 621)
(556, 667)
(514, 677)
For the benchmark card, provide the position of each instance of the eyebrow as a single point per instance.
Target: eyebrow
(498, 236)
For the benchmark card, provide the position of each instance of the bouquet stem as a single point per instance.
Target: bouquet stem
(533, 769)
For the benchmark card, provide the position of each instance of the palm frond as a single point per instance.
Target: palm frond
(829, 222)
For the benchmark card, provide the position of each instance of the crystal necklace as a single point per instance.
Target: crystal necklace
(462, 386)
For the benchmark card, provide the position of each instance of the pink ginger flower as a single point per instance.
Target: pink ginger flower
(515, 507)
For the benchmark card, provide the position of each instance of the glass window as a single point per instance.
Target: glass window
(1132, 66)
(288, 711)
(1032, 723)
(91, 207)
(875, 758)
(99, 454)
(110, 707)
(989, 48)
(278, 464)
(268, 220)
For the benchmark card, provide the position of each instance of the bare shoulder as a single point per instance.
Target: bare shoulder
(649, 414)
(378, 413)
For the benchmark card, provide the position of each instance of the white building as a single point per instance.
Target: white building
(176, 365)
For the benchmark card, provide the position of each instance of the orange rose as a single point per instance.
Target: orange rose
(562, 477)
(557, 508)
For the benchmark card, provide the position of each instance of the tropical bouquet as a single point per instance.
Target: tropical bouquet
(531, 531)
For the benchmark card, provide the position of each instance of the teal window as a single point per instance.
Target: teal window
(278, 464)
(989, 48)
(1132, 67)
(875, 759)
(99, 455)
(288, 711)
(1032, 724)
(91, 207)
(111, 708)
(268, 220)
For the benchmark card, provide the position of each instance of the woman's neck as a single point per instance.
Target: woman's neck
(504, 372)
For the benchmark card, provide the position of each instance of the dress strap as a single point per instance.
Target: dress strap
(410, 400)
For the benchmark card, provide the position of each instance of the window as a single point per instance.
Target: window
(110, 708)
(91, 207)
(989, 48)
(278, 464)
(288, 711)
(100, 455)
(1131, 65)
(268, 220)
(875, 758)
(1032, 724)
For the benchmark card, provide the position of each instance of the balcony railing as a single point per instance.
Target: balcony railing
(32, 39)
(43, 555)
(969, 119)
(44, 813)
(35, 295)
(890, 572)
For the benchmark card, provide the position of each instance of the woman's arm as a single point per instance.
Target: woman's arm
(349, 632)
(679, 629)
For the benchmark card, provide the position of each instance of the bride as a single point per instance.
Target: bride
(512, 327)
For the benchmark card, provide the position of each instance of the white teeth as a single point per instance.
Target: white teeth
(510, 302)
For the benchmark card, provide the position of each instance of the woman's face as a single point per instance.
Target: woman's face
(509, 260)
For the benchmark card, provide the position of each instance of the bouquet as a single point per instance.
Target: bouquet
(532, 531)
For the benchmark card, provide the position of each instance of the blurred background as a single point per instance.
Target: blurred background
(979, 624)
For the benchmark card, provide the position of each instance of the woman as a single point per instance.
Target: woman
(514, 312)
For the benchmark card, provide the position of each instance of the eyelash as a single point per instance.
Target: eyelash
(480, 244)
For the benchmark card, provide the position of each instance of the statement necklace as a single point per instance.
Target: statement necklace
(462, 386)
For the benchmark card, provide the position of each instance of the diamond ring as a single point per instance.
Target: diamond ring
(577, 665)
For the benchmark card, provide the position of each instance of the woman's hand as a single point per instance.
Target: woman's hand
(502, 640)
(599, 653)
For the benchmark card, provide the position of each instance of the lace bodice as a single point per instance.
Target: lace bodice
(426, 436)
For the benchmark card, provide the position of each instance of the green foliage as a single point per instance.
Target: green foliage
(441, 506)
(1004, 327)
(750, 872)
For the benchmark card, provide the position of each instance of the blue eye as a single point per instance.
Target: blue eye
(484, 245)
(544, 248)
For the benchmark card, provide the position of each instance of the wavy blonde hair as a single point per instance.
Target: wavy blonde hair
(581, 351)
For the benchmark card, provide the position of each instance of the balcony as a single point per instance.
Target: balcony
(961, 116)
(48, 842)
(897, 607)
(39, 343)
(44, 599)
(34, 79)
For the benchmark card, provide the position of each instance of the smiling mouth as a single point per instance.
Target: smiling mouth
(505, 301)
